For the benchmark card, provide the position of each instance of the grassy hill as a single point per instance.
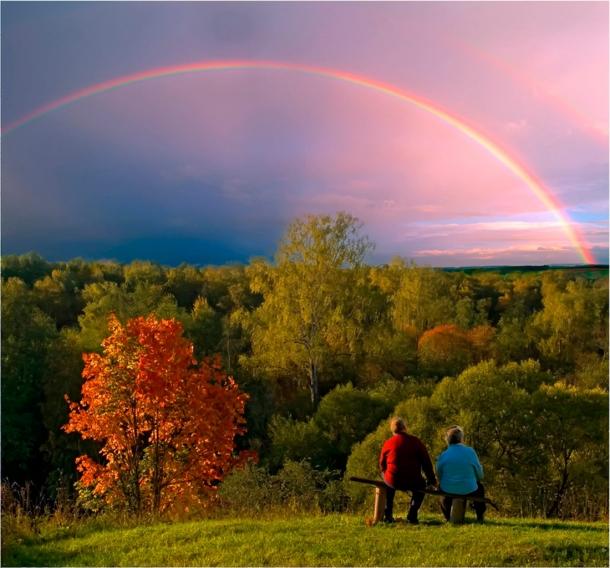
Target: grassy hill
(333, 540)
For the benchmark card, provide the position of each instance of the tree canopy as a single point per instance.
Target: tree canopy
(302, 359)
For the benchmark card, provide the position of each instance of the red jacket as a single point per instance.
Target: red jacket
(402, 459)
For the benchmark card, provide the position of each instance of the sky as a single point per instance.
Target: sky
(210, 167)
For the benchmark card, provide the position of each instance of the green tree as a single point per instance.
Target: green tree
(63, 376)
(204, 328)
(493, 405)
(387, 352)
(572, 322)
(574, 427)
(345, 416)
(143, 273)
(422, 300)
(310, 310)
(60, 293)
(105, 298)
(185, 283)
(28, 336)
(297, 440)
(28, 267)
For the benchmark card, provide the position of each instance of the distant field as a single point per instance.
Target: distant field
(334, 540)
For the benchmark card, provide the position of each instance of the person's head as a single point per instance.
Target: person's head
(397, 425)
(454, 435)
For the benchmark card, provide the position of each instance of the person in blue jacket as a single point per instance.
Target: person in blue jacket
(459, 472)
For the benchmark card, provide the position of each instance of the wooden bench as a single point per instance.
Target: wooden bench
(458, 505)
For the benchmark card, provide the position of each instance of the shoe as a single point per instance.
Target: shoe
(412, 521)
(389, 520)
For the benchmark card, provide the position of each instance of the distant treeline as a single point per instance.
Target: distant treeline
(327, 348)
(586, 270)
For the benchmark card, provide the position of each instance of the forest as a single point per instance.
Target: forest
(301, 361)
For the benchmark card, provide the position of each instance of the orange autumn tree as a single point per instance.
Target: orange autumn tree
(444, 350)
(167, 427)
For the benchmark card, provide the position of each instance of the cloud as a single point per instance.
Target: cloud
(516, 255)
(516, 125)
(243, 152)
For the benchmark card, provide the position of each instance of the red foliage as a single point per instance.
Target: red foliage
(447, 349)
(444, 350)
(443, 337)
(167, 427)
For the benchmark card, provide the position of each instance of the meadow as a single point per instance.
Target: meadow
(315, 540)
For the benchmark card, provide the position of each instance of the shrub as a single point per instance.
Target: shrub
(297, 487)
(248, 489)
(345, 416)
(297, 441)
(364, 462)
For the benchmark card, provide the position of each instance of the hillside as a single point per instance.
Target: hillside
(334, 540)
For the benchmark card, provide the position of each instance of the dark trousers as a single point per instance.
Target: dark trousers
(417, 498)
(478, 506)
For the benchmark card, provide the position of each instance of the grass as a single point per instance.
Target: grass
(333, 540)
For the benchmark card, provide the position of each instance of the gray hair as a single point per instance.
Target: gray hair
(397, 424)
(454, 435)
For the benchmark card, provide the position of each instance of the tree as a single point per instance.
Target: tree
(204, 328)
(521, 297)
(387, 352)
(167, 429)
(422, 299)
(28, 267)
(345, 416)
(573, 321)
(185, 284)
(143, 272)
(59, 297)
(60, 293)
(64, 366)
(444, 350)
(105, 298)
(312, 307)
(481, 340)
(28, 336)
(574, 426)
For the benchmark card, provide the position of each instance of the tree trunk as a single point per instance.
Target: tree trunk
(313, 384)
(553, 510)
(134, 497)
(157, 472)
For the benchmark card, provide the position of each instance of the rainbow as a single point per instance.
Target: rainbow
(511, 163)
(532, 85)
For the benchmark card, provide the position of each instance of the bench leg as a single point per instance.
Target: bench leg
(458, 511)
(380, 501)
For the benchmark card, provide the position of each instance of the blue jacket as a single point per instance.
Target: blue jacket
(458, 469)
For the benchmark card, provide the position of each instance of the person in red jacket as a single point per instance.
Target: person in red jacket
(402, 459)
